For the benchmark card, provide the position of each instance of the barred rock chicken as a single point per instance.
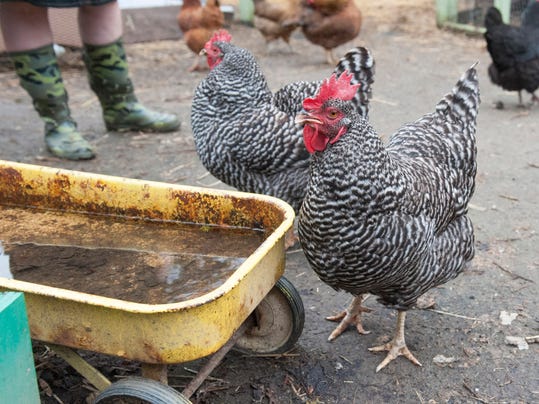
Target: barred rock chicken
(330, 24)
(198, 23)
(246, 136)
(388, 220)
(269, 16)
(514, 51)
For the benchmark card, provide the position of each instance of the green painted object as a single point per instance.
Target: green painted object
(18, 383)
(247, 11)
(505, 9)
(446, 10)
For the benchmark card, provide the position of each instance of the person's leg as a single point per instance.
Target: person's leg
(24, 26)
(28, 39)
(104, 57)
(100, 25)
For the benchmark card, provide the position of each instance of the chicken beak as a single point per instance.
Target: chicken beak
(305, 118)
(203, 52)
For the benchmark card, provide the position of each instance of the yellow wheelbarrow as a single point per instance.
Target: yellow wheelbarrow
(152, 272)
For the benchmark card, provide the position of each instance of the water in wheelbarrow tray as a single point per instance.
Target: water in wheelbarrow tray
(131, 259)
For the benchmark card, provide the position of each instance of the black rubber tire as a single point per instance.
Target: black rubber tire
(140, 390)
(278, 319)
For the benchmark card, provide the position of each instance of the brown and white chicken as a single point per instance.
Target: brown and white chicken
(198, 23)
(388, 219)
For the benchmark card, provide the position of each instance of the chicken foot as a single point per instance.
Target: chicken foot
(397, 346)
(350, 316)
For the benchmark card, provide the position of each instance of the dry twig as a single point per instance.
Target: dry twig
(297, 390)
(513, 275)
(453, 315)
(282, 355)
(511, 198)
(474, 394)
(532, 339)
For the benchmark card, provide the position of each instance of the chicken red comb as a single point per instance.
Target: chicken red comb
(334, 87)
(221, 35)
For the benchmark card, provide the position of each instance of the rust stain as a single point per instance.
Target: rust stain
(10, 175)
(59, 186)
(146, 191)
(241, 212)
(12, 182)
(100, 185)
(152, 353)
(72, 337)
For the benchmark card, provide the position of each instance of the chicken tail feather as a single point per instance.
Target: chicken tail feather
(463, 102)
(360, 63)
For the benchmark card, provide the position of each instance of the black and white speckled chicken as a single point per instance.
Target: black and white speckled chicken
(514, 51)
(388, 220)
(245, 135)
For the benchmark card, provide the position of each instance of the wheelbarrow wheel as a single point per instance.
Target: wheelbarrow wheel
(137, 390)
(278, 322)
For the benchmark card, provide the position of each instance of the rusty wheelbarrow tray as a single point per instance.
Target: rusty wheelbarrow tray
(254, 307)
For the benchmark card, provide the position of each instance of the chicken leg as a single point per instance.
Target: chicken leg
(330, 57)
(397, 346)
(196, 65)
(520, 103)
(351, 316)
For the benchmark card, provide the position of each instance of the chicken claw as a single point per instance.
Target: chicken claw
(351, 316)
(290, 239)
(397, 346)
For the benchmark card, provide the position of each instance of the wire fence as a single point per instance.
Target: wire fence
(469, 15)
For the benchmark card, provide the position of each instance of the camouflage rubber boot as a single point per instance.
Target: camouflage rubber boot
(109, 78)
(39, 75)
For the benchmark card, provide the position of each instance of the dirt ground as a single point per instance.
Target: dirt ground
(462, 341)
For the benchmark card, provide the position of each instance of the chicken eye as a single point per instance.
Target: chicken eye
(332, 114)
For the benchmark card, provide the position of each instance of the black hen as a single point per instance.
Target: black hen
(514, 51)
(388, 220)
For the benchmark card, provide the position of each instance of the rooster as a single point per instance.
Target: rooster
(330, 24)
(269, 16)
(514, 51)
(245, 135)
(388, 220)
(198, 23)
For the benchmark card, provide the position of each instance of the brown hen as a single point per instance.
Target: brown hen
(270, 17)
(198, 23)
(330, 23)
